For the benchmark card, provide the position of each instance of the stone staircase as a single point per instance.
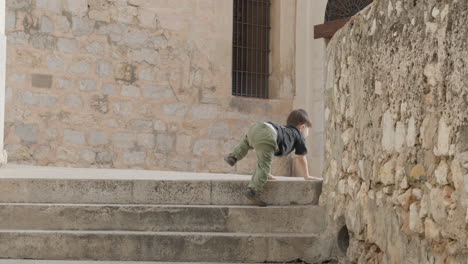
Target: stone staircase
(126, 215)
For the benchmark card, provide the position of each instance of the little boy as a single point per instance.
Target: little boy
(270, 139)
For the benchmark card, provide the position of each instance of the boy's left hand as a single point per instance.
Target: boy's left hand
(271, 177)
(310, 178)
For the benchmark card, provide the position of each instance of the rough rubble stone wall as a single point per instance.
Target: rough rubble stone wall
(397, 132)
(126, 84)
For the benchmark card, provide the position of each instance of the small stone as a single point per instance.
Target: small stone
(205, 147)
(387, 173)
(158, 92)
(424, 207)
(146, 140)
(100, 15)
(415, 223)
(63, 84)
(457, 174)
(135, 37)
(124, 14)
(164, 143)
(67, 154)
(43, 41)
(104, 157)
(74, 137)
(130, 91)
(159, 125)
(347, 136)
(431, 73)
(108, 88)
(27, 133)
(435, 12)
(38, 99)
(100, 103)
(378, 88)
(88, 155)
(47, 26)
(87, 85)
(41, 153)
(125, 72)
(76, 7)
(205, 111)
(95, 48)
(411, 135)
(41, 80)
(134, 157)
(82, 26)
(67, 45)
(144, 55)
(74, 101)
(104, 68)
(80, 67)
(124, 140)
(183, 144)
(51, 5)
(405, 199)
(404, 183)
(18, 38)
(123, 108)
(55, 62)
(417, 172)
(437, 206)
(62, 24)
(441, 173)
(177, 109)
(443, 139)
(98, 138)
(388, 137)
(147, 18)
(431, 230)
(400, 136)
(219, 130)
(139, 125)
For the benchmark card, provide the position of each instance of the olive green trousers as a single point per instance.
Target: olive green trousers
(263, 139)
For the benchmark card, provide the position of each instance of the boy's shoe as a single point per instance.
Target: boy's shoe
(251, 194)
(231, 160)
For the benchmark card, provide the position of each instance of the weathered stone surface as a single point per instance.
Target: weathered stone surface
(87, 85)
(38, 99)
(74, 137)
(27, 133)
(100, 15)
(76, 7)
(41, 80)
(67, 45)
(441, 173)
(388, 137)
(47, 26)
(134, 158)
(100, 103)
(125, 72)
(74, 100)
(124, 140)
(387, 173)
(146, 140)
(417, 172)
(82, 26)
(88, 155)
(177, 109)
(205, 147)
(43, 41)
(158, 92)
(51, 5)
(443, 139)
(108, 89)
(104, 69)
(98, 138)
(130, 90)
(55, 62)
(123, 108)
(159, 125)
(62, 24)
(164, 143)
(80, 66)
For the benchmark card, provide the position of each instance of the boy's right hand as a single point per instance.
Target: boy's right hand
(310, 178)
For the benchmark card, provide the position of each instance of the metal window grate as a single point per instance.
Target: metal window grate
(338, 9)
(251, 48)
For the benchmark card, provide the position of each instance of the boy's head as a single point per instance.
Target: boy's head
(299, 119)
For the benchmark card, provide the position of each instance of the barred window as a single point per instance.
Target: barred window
(251, 48)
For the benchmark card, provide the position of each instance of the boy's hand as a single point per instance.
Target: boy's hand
(310, 178)
(271, 177)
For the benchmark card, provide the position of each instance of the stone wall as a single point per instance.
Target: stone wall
(127, 84)
(397, 132)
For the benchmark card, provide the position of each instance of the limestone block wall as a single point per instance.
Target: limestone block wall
(126, 84)
(396, 169)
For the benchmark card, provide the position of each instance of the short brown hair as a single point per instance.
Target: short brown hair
(298, 117)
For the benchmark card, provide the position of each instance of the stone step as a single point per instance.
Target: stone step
(159, 246)
(103, 186)
(195, 218)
